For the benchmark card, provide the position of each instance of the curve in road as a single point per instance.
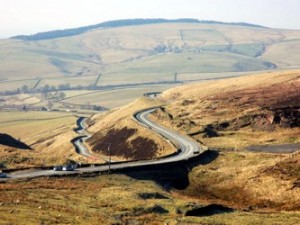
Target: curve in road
(187, 149)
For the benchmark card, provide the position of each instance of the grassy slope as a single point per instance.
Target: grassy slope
(261, 181)
(236, 101)
(48, 134)
(238, 178)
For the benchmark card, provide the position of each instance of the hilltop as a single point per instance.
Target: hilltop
(114, 24)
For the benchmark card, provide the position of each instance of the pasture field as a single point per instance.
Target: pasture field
(204, 62)
(277, 53)
(17, 84)
(112, 98)
(73, 82)
(126, 75)
(198, 77)
(147, 53)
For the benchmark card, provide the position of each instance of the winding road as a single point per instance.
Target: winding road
(187, 149)
(79, 141)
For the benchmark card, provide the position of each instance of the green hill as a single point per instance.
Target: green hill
(132, 52)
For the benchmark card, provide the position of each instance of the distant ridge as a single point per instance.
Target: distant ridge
(118, 23)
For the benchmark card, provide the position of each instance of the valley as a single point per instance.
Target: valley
(218, 144)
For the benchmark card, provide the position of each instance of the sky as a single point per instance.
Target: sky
(32, 16)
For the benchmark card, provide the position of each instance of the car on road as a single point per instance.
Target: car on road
(58, 168)
(68, 167)
(3, 175)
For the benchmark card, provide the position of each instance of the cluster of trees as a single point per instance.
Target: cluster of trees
(47, 88)
(54, 95)
(113, 24)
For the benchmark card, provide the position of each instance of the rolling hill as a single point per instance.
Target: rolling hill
(151, 52)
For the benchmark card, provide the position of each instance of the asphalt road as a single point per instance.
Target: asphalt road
(79, 142)
(187, 149)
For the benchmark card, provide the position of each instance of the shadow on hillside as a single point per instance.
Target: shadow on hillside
(209, 210)
(172, 175)
(9, 141)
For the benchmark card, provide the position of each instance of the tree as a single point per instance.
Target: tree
(46, 88)
(61, 95)
(24, 89)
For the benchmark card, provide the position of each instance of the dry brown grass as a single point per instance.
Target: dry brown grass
(244, 103)
(263, 182)
(110, 199)
(113, 199)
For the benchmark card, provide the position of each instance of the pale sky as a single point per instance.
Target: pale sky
(32, 16)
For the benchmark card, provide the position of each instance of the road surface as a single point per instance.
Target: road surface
(79, 141)
(187, 149)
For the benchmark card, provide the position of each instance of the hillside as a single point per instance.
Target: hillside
(132, 54)
(154, 55)
(234, 115)
(229, 116)
(237, 112)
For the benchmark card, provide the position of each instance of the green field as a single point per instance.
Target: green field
(112, 98)
(100, 51)
(146, 54)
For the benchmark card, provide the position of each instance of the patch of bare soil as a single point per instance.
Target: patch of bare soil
(122, 144)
